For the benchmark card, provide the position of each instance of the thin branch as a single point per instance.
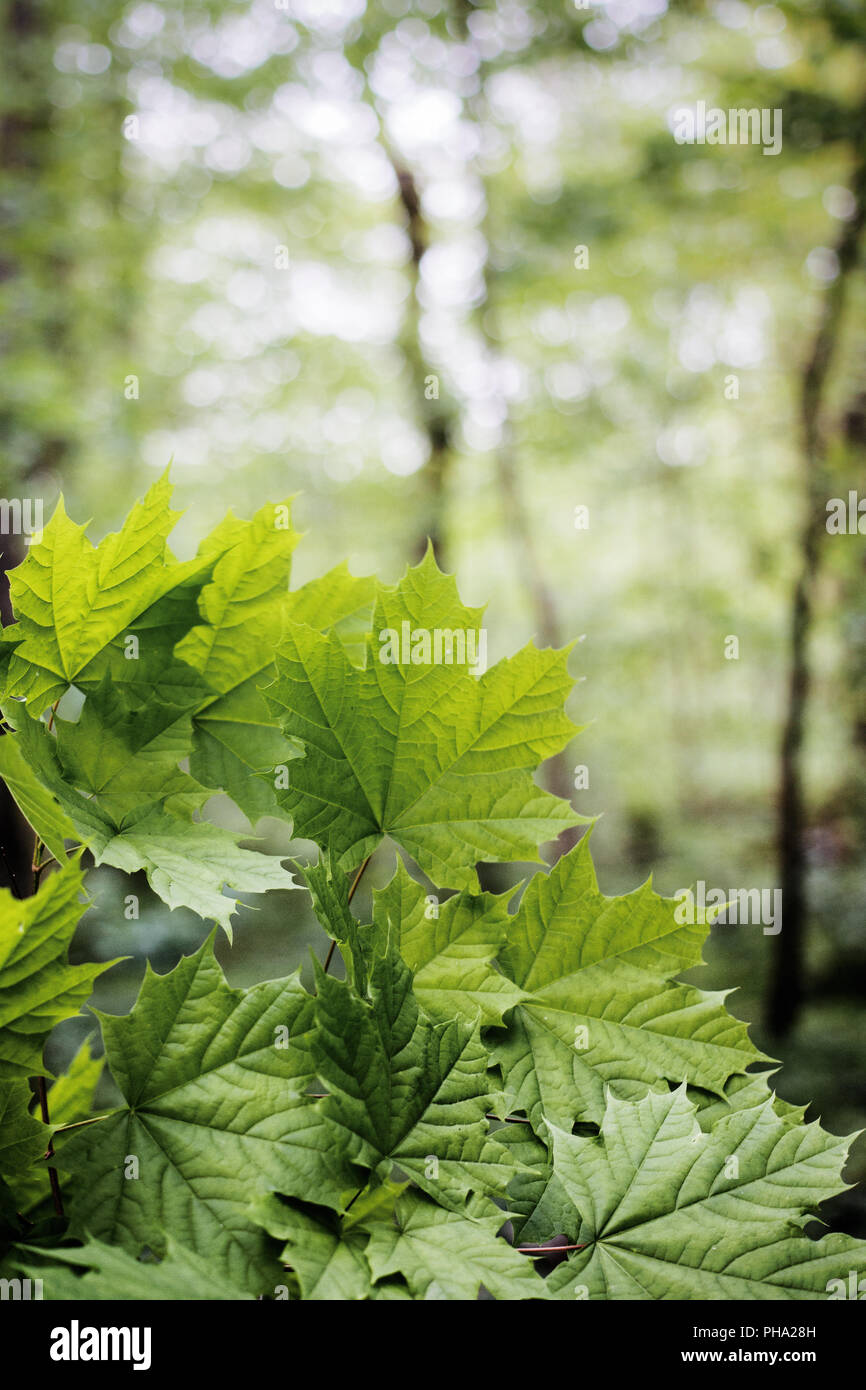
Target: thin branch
(786, 983)
(39, 846)
(355, 882)
(357, 878)
(79, 1124)
(41, 1089)
(42, 1093)
(546, 1249)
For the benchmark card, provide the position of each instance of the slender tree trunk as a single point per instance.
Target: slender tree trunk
(431, 409)
(25, 139)
(786, 983)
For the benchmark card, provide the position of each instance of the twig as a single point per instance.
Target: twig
(786, 988)
(546, 1249)
(41, 1089)
(42, 1093)
(355, 882)
(79, 1124)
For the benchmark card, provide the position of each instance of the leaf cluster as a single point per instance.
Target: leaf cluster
(511, 1095)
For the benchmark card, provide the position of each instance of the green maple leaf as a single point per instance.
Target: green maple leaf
(667, 1210)
(242, 606)
(451, 1255)
(183, 1275)
(72, 598)
(38, 986)
(338, 602)
(210, 1080)
(327, 1257)
(23, 1137)
(238, 745)
(539, 1205)
(71, 1094)
(536, 1197)
(450, 947)
(742, 1092)
(70, 1099)
(436, 758)
(137, 807)
(603, 1007)
(391, 1231)
(39, 750)
(124, 754)
(189, 862)
(39, 805)
(329, 890)
(403, 1092)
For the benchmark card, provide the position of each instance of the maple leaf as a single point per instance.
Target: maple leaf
(667, 1210)
(38, 986)
(23, 1137)
(39, 805)
(137, 809)
(324, 1251)
(450, 947)
(111, 1273)
(601, 1005)
(438, 759)
(189, 862)
(394, 1230)
(403, 1093)
(451, 1255)
(242, 606)
(209, 1077)
(72, 598)
(70, 1100)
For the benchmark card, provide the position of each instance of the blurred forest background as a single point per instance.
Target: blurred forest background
(329, 248)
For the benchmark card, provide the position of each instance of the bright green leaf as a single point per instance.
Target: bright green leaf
(449, 948)
(438, 759)
(668, 1211)
(603, 1008)
(210, 1076)
(451, 1255)
(38, 986)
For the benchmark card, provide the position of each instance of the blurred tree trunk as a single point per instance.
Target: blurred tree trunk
(28, 150)
(557, 772)
(432, 411)
(25, 148)
(786, 989)
(16, 837)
